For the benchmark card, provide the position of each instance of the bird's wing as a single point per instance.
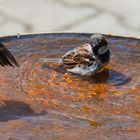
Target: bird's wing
(6, 58)
(79, 55)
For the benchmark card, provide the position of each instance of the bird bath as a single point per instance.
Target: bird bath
(40, 101)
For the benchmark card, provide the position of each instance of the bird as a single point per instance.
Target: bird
(6, 58)
(88, 59)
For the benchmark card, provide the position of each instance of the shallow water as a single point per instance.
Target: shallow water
(41, 100)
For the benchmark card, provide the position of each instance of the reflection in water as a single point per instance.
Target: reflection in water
(101, 106)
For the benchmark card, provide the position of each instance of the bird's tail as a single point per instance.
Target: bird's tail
(51, 60)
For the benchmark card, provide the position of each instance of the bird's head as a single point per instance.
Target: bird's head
(100, 47)
(99, 44)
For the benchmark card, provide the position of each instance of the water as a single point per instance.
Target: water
(43, 101)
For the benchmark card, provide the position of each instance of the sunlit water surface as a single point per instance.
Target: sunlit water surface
(41, 100)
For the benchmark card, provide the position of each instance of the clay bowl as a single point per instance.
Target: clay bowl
(42, 101)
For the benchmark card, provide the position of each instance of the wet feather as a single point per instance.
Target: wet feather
(6, 58)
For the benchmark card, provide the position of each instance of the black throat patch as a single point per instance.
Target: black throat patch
(104, 57)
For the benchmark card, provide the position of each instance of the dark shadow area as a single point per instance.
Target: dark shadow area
(117, 78)
(100, 77)
(16, 109)
(107, 76)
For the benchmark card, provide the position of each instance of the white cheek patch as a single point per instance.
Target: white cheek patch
(89, 48)
(103, 49)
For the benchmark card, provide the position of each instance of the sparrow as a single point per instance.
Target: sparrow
(6, 58)
(88, 59)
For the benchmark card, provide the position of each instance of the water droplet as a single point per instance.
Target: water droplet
(18, 35)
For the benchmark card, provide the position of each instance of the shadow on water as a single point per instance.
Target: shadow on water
(117, 79)
(16, 109)
(108, 76)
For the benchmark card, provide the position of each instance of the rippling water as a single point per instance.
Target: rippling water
(43, 101)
